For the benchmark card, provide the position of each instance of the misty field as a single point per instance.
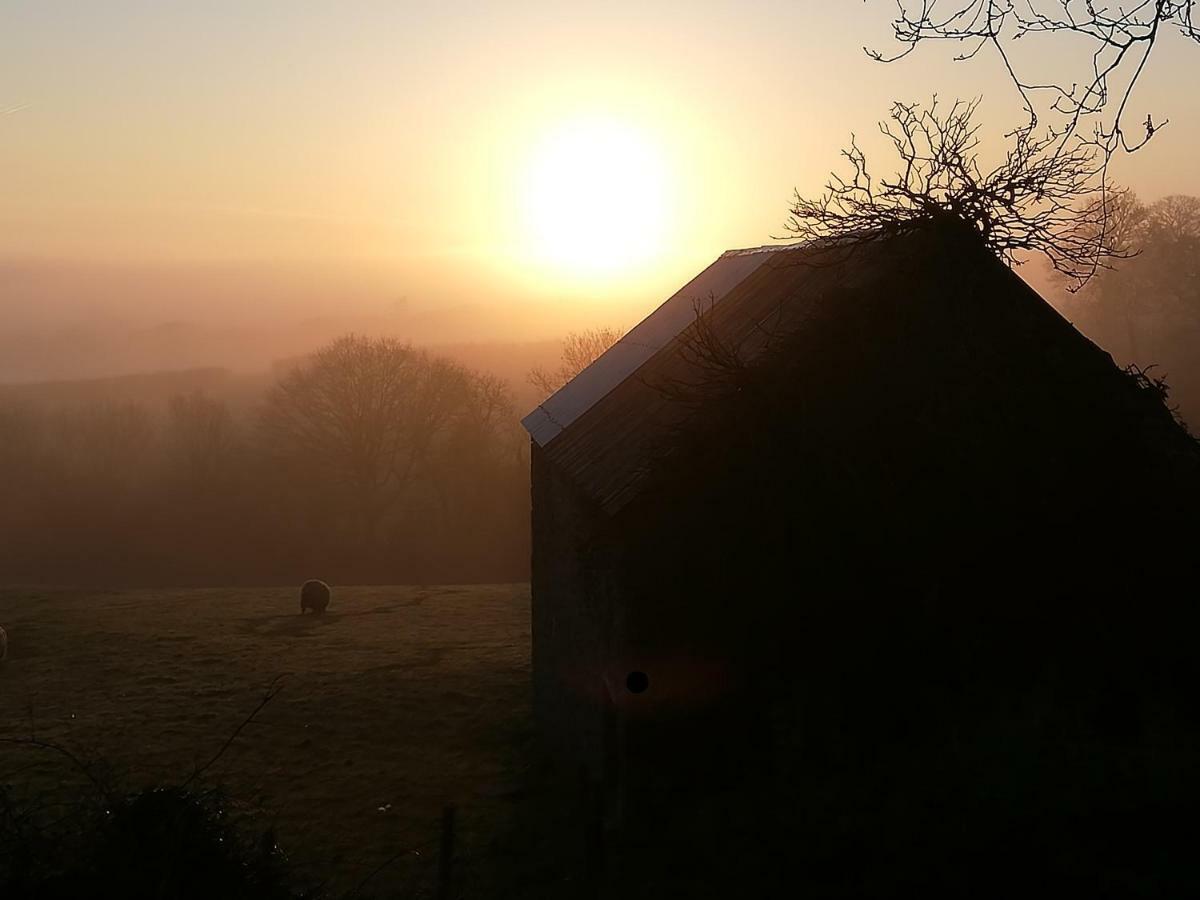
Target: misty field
(396, 702)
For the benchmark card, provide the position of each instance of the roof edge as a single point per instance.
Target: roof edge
(765, 248)
(652, 334)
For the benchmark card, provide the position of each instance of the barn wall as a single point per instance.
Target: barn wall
(577, 609)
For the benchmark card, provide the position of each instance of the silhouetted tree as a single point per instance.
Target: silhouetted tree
(1041, 198)
(1146, 310)
(579, 350)
(1120, 38)
(200, 438)
(1163, 272)
(1122, 230)
(370, 459)
(1162, 241)
(480, 458)
(361, 417)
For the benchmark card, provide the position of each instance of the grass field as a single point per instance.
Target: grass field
(396, 702)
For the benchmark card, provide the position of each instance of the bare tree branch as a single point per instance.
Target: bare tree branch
(579, 350)
(1042, 198)
(1121, 39)
(363, 416)
(268, 695)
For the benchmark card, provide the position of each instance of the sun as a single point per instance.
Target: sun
(594, 197)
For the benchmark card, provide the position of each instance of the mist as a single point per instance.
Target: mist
(64, 320)
(599, 451)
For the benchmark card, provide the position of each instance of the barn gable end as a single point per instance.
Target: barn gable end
(918, 404)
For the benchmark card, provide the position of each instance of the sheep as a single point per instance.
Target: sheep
(3, 645)
(314, 595)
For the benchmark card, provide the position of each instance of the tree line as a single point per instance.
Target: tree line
(370, 460)
(1145, 308)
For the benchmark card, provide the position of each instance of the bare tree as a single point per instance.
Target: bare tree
(1176, 218)
(1041, 198)
(200, 436)
(482, 442)
(362, 415)
(1172, 238)
(1120, 38)
(579, 350)
(1123, 230)
(717, 367)
(1160, 281)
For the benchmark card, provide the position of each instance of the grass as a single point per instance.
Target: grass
(396, 702)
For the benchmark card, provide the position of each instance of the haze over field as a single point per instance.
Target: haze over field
(404, 493)
(226, 186)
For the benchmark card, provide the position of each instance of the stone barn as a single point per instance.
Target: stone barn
(829, 510)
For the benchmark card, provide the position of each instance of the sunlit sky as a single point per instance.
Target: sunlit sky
(589, 153)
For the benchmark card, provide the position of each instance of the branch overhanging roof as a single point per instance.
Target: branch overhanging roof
(555, 414)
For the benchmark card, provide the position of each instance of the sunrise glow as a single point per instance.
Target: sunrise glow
(594, 197)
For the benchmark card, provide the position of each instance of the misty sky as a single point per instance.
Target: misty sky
(218, 160)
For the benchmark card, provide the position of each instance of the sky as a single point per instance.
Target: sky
(530, 165)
